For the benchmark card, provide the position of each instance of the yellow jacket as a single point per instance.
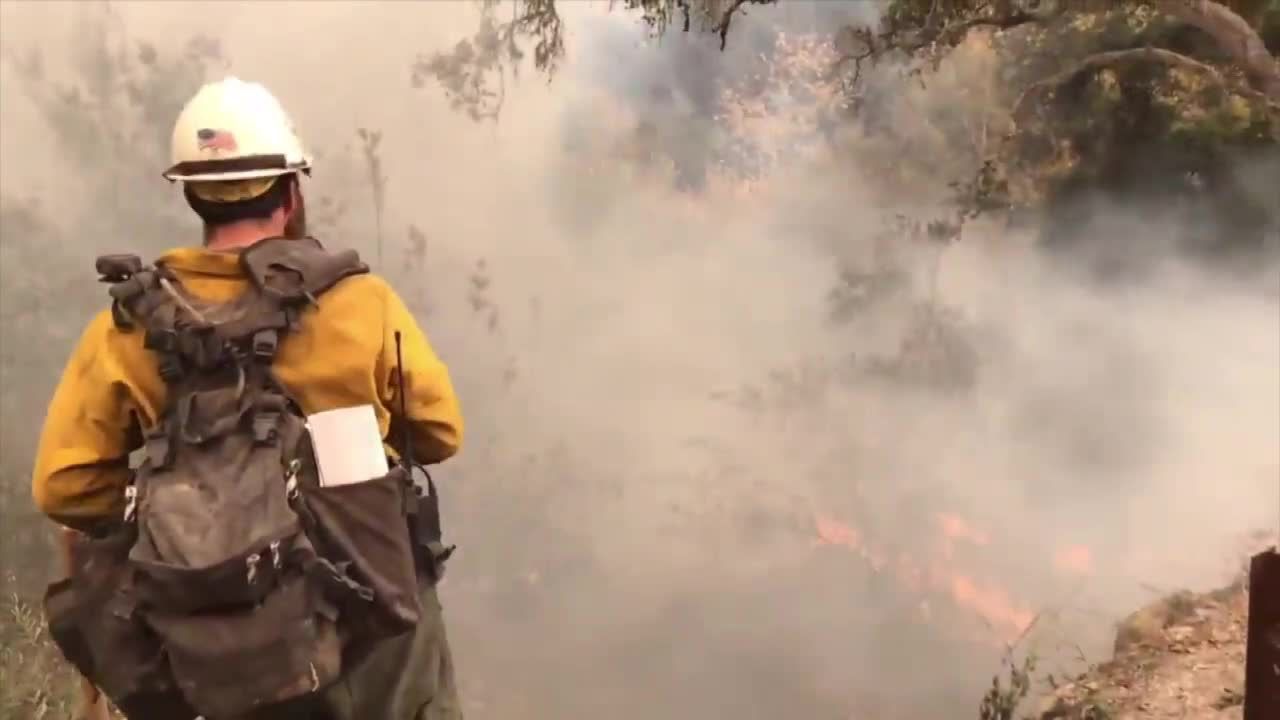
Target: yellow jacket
(342, 354)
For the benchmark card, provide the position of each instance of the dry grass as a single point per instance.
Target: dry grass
(35, 682)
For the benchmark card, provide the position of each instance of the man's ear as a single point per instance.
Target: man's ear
(295, 210)
(290, 200)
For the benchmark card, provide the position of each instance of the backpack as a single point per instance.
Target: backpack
(235, 580)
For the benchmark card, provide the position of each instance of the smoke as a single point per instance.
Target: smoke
(668, 378)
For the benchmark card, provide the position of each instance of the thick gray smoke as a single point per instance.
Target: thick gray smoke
(675, 387)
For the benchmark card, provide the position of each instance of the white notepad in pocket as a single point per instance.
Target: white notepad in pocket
(348, 445)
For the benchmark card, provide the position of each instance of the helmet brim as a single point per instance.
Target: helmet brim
(238, 168)
(238, 175)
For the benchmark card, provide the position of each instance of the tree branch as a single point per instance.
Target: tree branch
(1234, 36)
(1104, 59)
(857, 60)
(722, 27)
(955, 32)
(930, 34)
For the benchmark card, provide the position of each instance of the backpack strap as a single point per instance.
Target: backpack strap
(147, 296)
(140, 300)
(285, 276)
(296, 271)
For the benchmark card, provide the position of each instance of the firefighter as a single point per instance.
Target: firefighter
(240, 163)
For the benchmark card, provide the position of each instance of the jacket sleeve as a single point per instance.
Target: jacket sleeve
(434, 417)
(82, 461)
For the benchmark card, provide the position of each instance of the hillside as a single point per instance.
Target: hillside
(1180, 657)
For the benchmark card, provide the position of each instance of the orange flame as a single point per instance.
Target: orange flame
(1074, 560)
(831, 532)
(990, 603)
(955, 528)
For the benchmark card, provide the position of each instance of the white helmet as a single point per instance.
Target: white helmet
(234, 130)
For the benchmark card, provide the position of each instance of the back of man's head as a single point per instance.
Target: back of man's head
(234, 211)
(238, 156)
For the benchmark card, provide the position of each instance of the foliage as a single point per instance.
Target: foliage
(1002, 700)
(466, 71)
(1096, 96)
(1117, 77)
(469, 72)
(938, 349)
(916, 29)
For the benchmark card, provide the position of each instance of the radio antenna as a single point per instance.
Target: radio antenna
(406, 451)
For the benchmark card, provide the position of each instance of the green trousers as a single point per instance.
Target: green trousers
(410, 677)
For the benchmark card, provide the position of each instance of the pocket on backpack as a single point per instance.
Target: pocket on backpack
(229, 663)
(239, 580)
(92, 618)
(214, 528)
(363, 528)
(62, 612)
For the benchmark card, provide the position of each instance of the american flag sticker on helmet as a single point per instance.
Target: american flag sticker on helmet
(211, 139)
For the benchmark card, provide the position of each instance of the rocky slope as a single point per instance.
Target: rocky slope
(1180, 657)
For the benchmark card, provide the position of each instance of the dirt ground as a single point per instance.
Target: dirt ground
(1180, 657)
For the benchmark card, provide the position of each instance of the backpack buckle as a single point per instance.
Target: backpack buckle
(251, 567)
(170, 368)
(158, 450)
(265, 343)
(163, 341)
(264, 427)
(131, 502)
(291, 480)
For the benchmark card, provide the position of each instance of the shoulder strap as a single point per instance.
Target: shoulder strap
(285, 274)
(297, 270)
(149, 297)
